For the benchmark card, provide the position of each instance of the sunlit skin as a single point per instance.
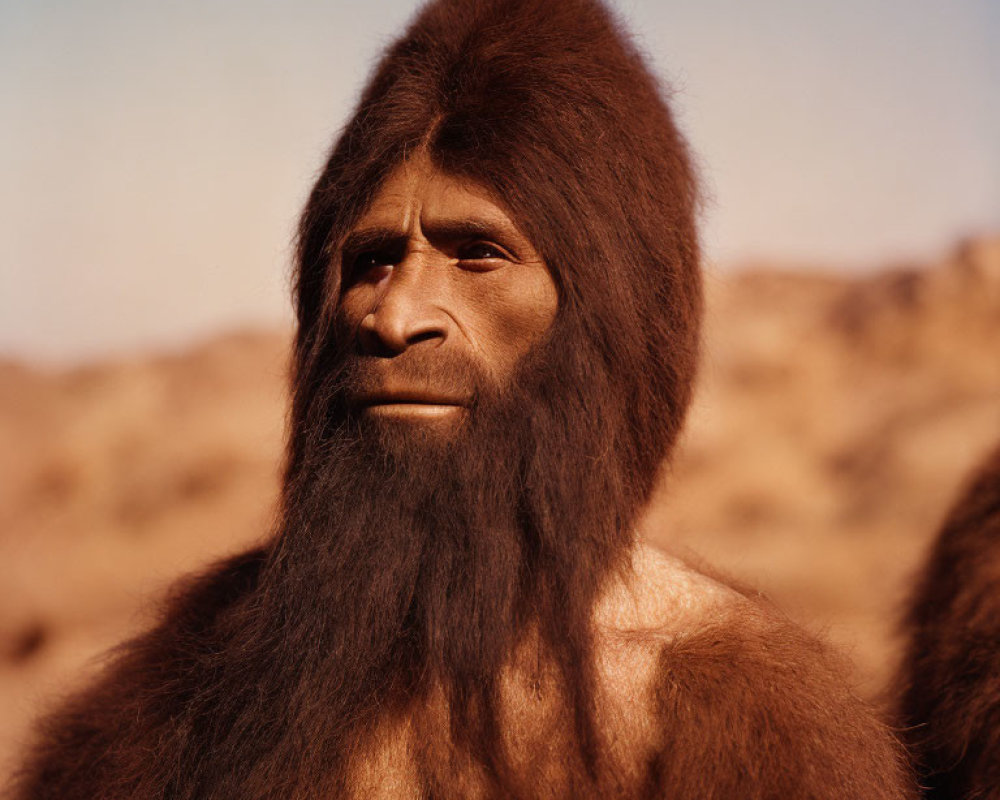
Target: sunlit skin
(434, 268)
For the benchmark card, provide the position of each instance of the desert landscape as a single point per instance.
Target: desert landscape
(837, 416)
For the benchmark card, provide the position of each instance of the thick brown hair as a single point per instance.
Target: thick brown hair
(550, 108)
(265, 674)
(548, 105)
(949, 684)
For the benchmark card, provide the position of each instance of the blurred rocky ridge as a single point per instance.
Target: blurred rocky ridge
(836, 420)
(836, 417)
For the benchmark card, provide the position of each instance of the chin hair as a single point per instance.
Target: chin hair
(441, 546)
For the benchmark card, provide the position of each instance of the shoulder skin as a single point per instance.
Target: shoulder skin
(736, 701)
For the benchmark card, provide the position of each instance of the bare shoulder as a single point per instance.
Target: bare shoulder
(659, 602)
(730, 699)
(660, 596)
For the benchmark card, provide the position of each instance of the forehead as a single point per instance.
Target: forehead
(417, 195)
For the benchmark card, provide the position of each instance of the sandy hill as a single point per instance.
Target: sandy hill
(836, 418)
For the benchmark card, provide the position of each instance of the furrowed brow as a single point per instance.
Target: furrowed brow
(365, 239)
(458, 230)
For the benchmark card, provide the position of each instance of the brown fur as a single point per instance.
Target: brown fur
(427, 620)
(950, 679)
(547, 106)
(762, 712)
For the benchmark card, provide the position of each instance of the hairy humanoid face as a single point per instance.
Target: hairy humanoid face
(497, 339)
(459, 490)
(440, 293)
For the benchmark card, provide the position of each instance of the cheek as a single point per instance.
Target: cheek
(513, 318)
(354, 304)
(530, 315)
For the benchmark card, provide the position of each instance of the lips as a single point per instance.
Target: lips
(407, 397)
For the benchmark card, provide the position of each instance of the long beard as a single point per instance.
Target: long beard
(417, 557)
(410, 534)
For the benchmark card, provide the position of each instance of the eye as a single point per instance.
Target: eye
(480, 251)
(363, 262)
(367, 265)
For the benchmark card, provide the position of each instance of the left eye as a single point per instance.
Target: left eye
(480, 251)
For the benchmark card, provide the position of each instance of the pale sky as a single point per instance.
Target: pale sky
(154, 156)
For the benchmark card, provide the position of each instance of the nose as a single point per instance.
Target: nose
(406, 313)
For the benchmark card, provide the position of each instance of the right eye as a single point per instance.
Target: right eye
(367, 265)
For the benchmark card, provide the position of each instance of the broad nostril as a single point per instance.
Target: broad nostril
(386, 341)
(375, 345)
(424, 336)
(386, 332)
(376, 339)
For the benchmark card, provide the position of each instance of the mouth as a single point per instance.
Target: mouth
(410, 404)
